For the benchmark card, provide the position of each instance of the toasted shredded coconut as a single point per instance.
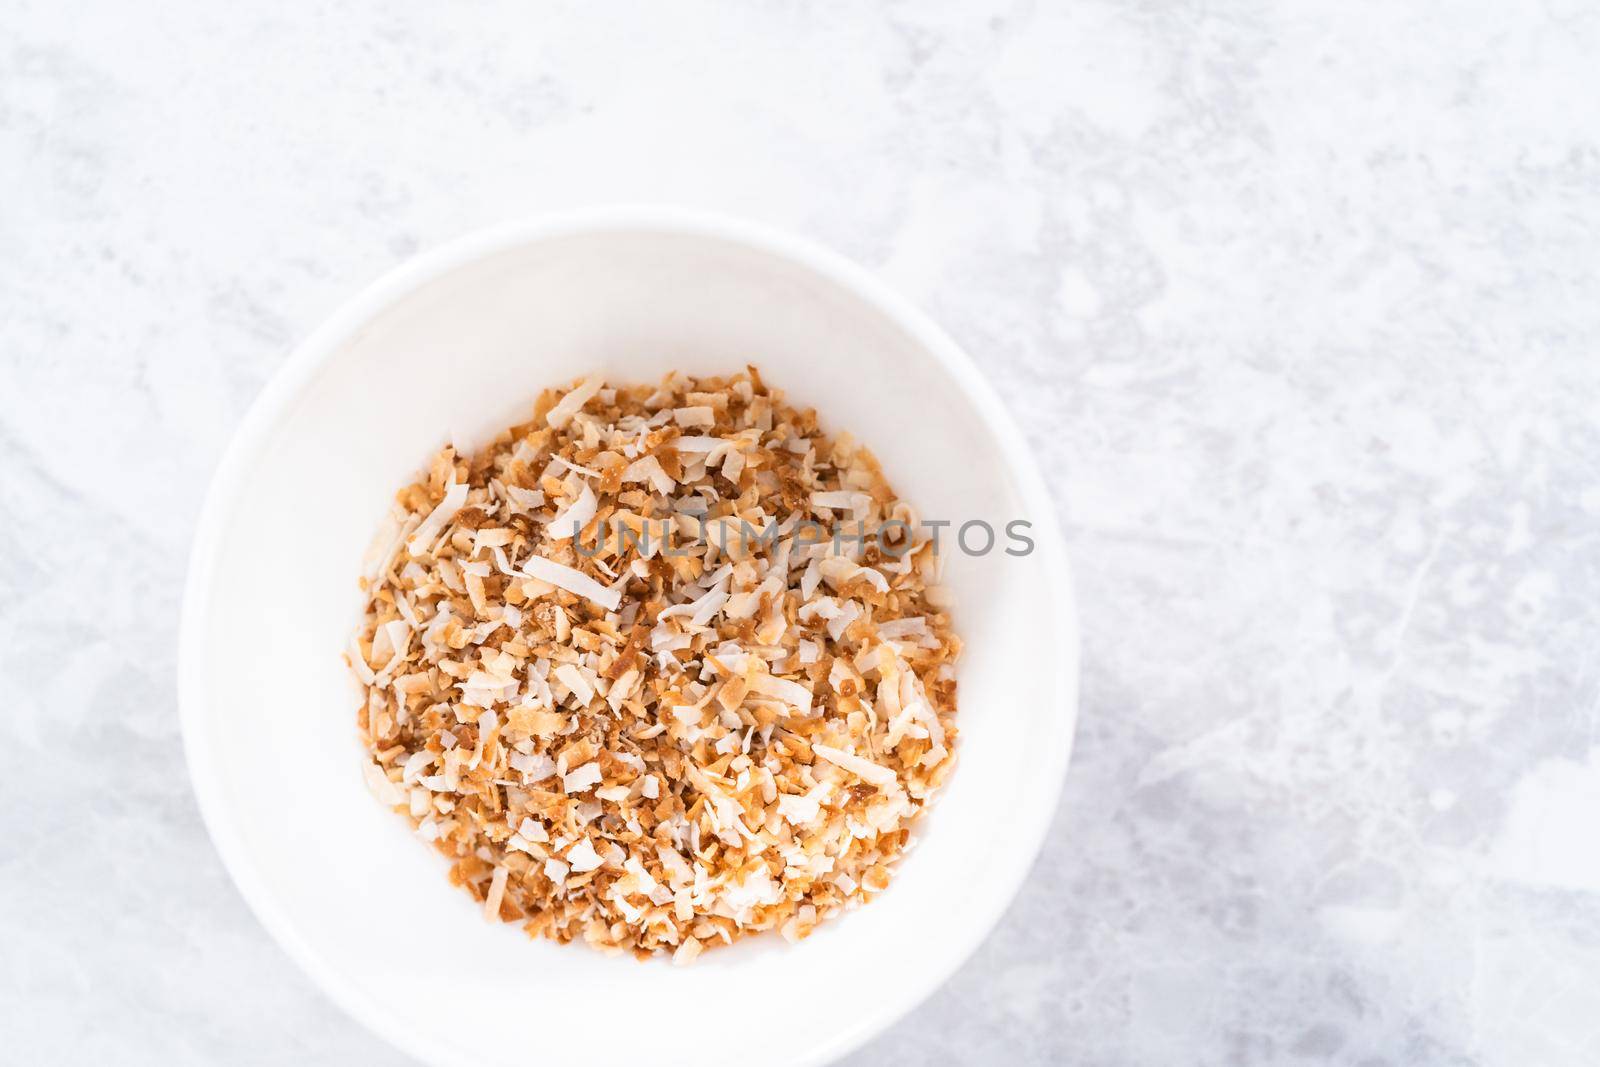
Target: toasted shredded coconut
(660, 743)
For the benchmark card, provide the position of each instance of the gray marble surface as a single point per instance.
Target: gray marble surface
(1298, 303)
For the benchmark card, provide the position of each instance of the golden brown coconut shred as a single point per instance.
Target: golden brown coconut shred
(678, 735)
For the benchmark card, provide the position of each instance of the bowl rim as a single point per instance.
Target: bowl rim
(299, 371)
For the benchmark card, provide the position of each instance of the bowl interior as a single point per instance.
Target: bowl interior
(461, 349)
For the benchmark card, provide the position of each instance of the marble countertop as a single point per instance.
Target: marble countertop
(1297, 302)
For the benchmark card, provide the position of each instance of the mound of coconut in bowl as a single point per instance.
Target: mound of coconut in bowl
(661, 667)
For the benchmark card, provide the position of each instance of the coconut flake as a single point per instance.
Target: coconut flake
(583, 857)
(386, 545)
(576, 680)
(792, 693)
(849, 611)
(497, 892)
(398, 633)
(701, 610)
(622, 688)
(911, 626)
(559, 464)
(358, 663)
(573, 402)
(388, 794)
(701, 415)
(868, 771)
(837, 500)
(687, 952)
(810, 580)
(535, 767)
(492, 537)
(524, 500)
(403, 605)
(697, 444)
(801, 810)
(415, 764)
(648, 469)
(572, 580)
(570, 520)
(455, 497)
(581, 778)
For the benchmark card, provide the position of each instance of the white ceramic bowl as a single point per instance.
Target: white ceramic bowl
(460, 341)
